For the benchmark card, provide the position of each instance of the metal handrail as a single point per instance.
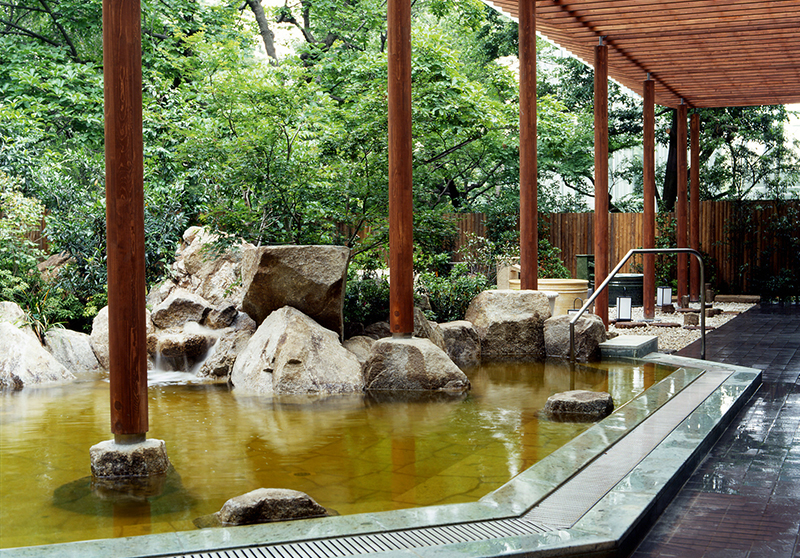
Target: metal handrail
(604, 284)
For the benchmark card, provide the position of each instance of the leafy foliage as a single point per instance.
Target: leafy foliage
(450, 294)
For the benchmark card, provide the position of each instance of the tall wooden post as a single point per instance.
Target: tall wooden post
(649, 217)
(681, 210)
(601, 177)
(127, 331)
(694, 208)
(528, 218)
(401, 272)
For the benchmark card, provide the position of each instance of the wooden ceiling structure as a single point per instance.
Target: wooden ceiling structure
(710, 53)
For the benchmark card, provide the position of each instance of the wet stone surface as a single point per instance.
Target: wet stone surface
(744, 498)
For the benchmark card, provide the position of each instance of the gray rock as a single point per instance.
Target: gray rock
(111, 460)
(427, 329)
(74, 350)
(691, 318)
(183, 342)
(360, 345)
(309, 278)
(589, 333)
(24, 362)
(99, 337)
(269, 504)
(579, 405)
(12, 313)
(510, 323)
(378, 330)
(411, 364)
(291, 353)
(52, 266)
(231, 341)
(221, 316)
(180, 307)
(462, 343)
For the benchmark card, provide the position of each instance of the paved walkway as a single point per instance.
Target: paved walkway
(744, 498)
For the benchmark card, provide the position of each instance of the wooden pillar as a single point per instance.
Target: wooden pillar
(649, 217)
(528, 233)
(601, 177)
(401, 272)
(694, 208)
(681, 210)
(127, 331)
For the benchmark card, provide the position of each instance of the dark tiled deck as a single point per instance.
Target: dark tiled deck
(744, 498)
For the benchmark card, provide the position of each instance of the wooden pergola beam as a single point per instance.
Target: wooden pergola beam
(127, 330)
(694, 207)
(601, 177)
(682, 206)
(401, 243)
(528, 233)
(649, 195)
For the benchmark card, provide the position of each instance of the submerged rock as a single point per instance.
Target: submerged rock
(510, 323)
(579, 405)
(269, 504)
(411, 364)
(589, 333)
(291, 353)
(308, 278)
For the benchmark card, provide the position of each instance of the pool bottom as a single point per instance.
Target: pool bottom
(592, 497)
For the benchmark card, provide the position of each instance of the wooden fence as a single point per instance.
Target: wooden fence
(743, 240)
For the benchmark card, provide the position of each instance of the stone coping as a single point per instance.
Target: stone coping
(611, 525)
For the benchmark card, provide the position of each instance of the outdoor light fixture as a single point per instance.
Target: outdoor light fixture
(664, 296)
(624, 309)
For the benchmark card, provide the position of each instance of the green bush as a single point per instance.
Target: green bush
(366, 298)
(450, 295)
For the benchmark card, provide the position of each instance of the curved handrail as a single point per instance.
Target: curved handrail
(614, 271)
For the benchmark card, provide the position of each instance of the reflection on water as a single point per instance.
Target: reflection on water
(352, 453)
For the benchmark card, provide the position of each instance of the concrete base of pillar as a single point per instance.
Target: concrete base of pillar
(111, 460)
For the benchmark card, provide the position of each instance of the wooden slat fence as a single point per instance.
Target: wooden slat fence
(742, 239)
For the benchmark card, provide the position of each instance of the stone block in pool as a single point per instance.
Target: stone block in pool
(629, 346)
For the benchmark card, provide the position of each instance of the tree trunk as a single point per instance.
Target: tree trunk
(670, 192)
(263, 26)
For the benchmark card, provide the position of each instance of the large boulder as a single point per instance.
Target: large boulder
(180, 307)
(204, 271)
(462, 343)
(230, 342)
(359, 345)
(269, 504)
(73, 349)
(291, 353)
(589, 333)
(99, 337)
(411, 364)
(12, 313)
(181, 348)
(23, 361)
(510, 323)
(309, 278)
(427, 329)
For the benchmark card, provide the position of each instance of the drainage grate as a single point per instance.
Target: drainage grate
(560, 510)
(384, 542)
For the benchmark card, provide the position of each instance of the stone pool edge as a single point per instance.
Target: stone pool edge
(608, 528)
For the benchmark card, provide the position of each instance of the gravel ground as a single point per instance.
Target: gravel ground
(672, 339)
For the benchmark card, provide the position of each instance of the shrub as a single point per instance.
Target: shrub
(450, 295)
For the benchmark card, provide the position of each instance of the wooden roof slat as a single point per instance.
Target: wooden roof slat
(708, 52)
